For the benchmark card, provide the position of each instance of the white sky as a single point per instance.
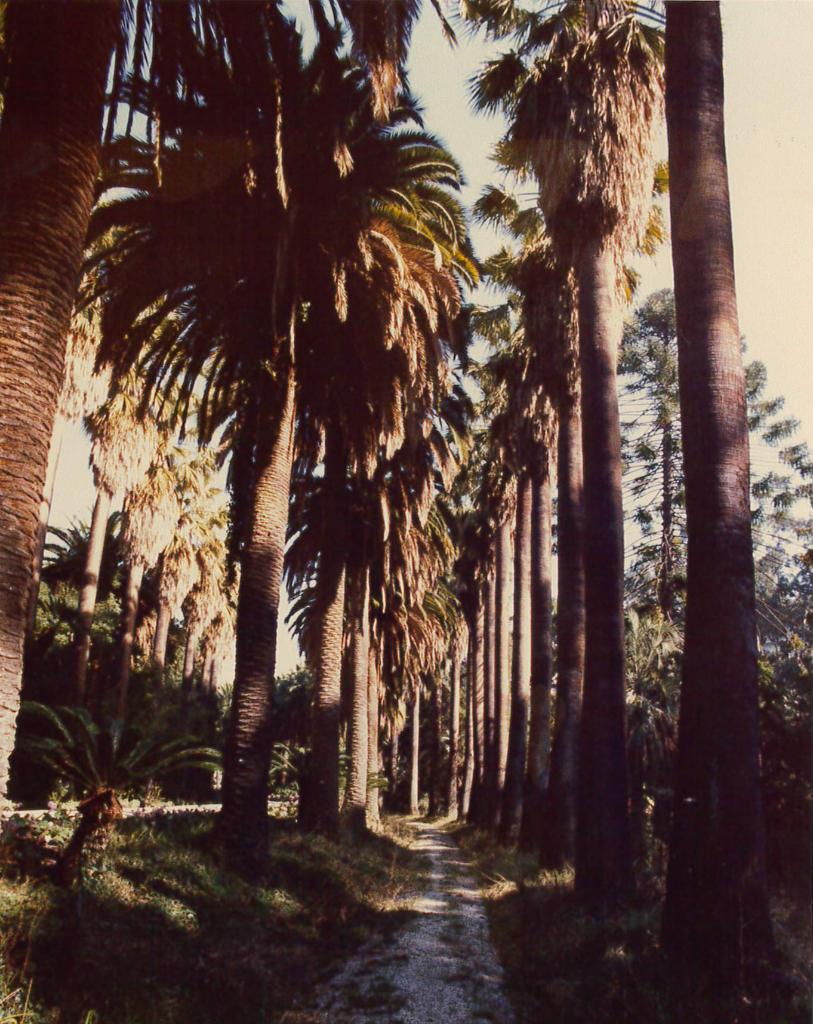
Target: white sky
(769, 99)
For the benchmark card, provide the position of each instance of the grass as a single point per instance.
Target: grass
(160, 934)
(565, 966)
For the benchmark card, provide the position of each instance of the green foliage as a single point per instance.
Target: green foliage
(94, 758)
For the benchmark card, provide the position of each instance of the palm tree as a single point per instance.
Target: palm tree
(124, 442)
(49, 158)
(456, 657)
(594, 198)
(716, 921)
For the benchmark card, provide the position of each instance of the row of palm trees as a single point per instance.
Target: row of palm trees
(276, 240)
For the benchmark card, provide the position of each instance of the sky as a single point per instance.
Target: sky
(769, 99)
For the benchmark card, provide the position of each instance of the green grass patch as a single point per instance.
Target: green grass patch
(564, 965)
(160, 934)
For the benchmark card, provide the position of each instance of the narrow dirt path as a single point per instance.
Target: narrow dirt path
(440, 968)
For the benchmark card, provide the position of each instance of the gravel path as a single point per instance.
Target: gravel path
(440, 968)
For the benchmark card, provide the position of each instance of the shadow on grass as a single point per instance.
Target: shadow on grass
(162, 935)
(568, 966)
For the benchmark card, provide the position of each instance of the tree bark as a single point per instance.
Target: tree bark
(603, 854)
(159, 645)
(468, 764)
(560, 813)
(373, 752)
(511, 814)
(666, 592)
(189, 659)
(477, 708)
(415, 750)
(502, 666)
(716, 922)
(90, 588)
(434, 751)
(536, 778)
(247, 755)
(49, 160)
(454, 737)
(356, 799)
(54, 453)
(135, 575)
(489, 701)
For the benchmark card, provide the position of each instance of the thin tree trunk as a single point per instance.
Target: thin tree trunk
(454, 736)
(489, 700)
(502, 665)
(90, 588)
(716, 921)
(373, 712)
(356, 799)
(159, 644)
(536, 779)
(189, 659)
(559, 820)
(603, 854)
(247, 755)
(49, 160)
(511, 815)
(322, 814)
(468, 765)
(206, 670)
(54, 453)
(434, 751)
(415, 750)
(135, 575)
(476, 684)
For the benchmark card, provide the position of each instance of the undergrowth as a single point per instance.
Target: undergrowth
(159, 934)
(564, 965)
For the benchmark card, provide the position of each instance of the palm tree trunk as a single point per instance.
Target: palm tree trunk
(434, 751)
(468, 764)
(716, 920)
(356, 799)
(477, 708)
(135, 575)
(206, 670)
(247, 755)
(90, 587)
(502, 666)
(511, 815)
(414, 761)
(603, 855)
(454, 737)
(49, 160)
(373, 711)
(159, 645)
(536, 779)
(559, 819)
(189, 659)
(323, 812)
(489, 700)
(666, 594)
(54, 453)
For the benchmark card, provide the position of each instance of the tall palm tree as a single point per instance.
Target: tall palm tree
(594, 198)
(124, 441)
(49, 157)
(716, 921)
(456, 658)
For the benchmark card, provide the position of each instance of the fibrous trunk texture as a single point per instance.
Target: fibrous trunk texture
(454, 737)
(373, 711)
(434, 751)
(477, 708)
(502, 665)
(468, 763)
(716, 920)
(489, 800)
(129, 615)
(511, 816)
(559, 820)
(159, 645)
(415, 750)
(536, 776)
(603, 854)
(49, 160)
(90, 588)
(54, 453)
(356, 799)
(189, 658)
(247, 755)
